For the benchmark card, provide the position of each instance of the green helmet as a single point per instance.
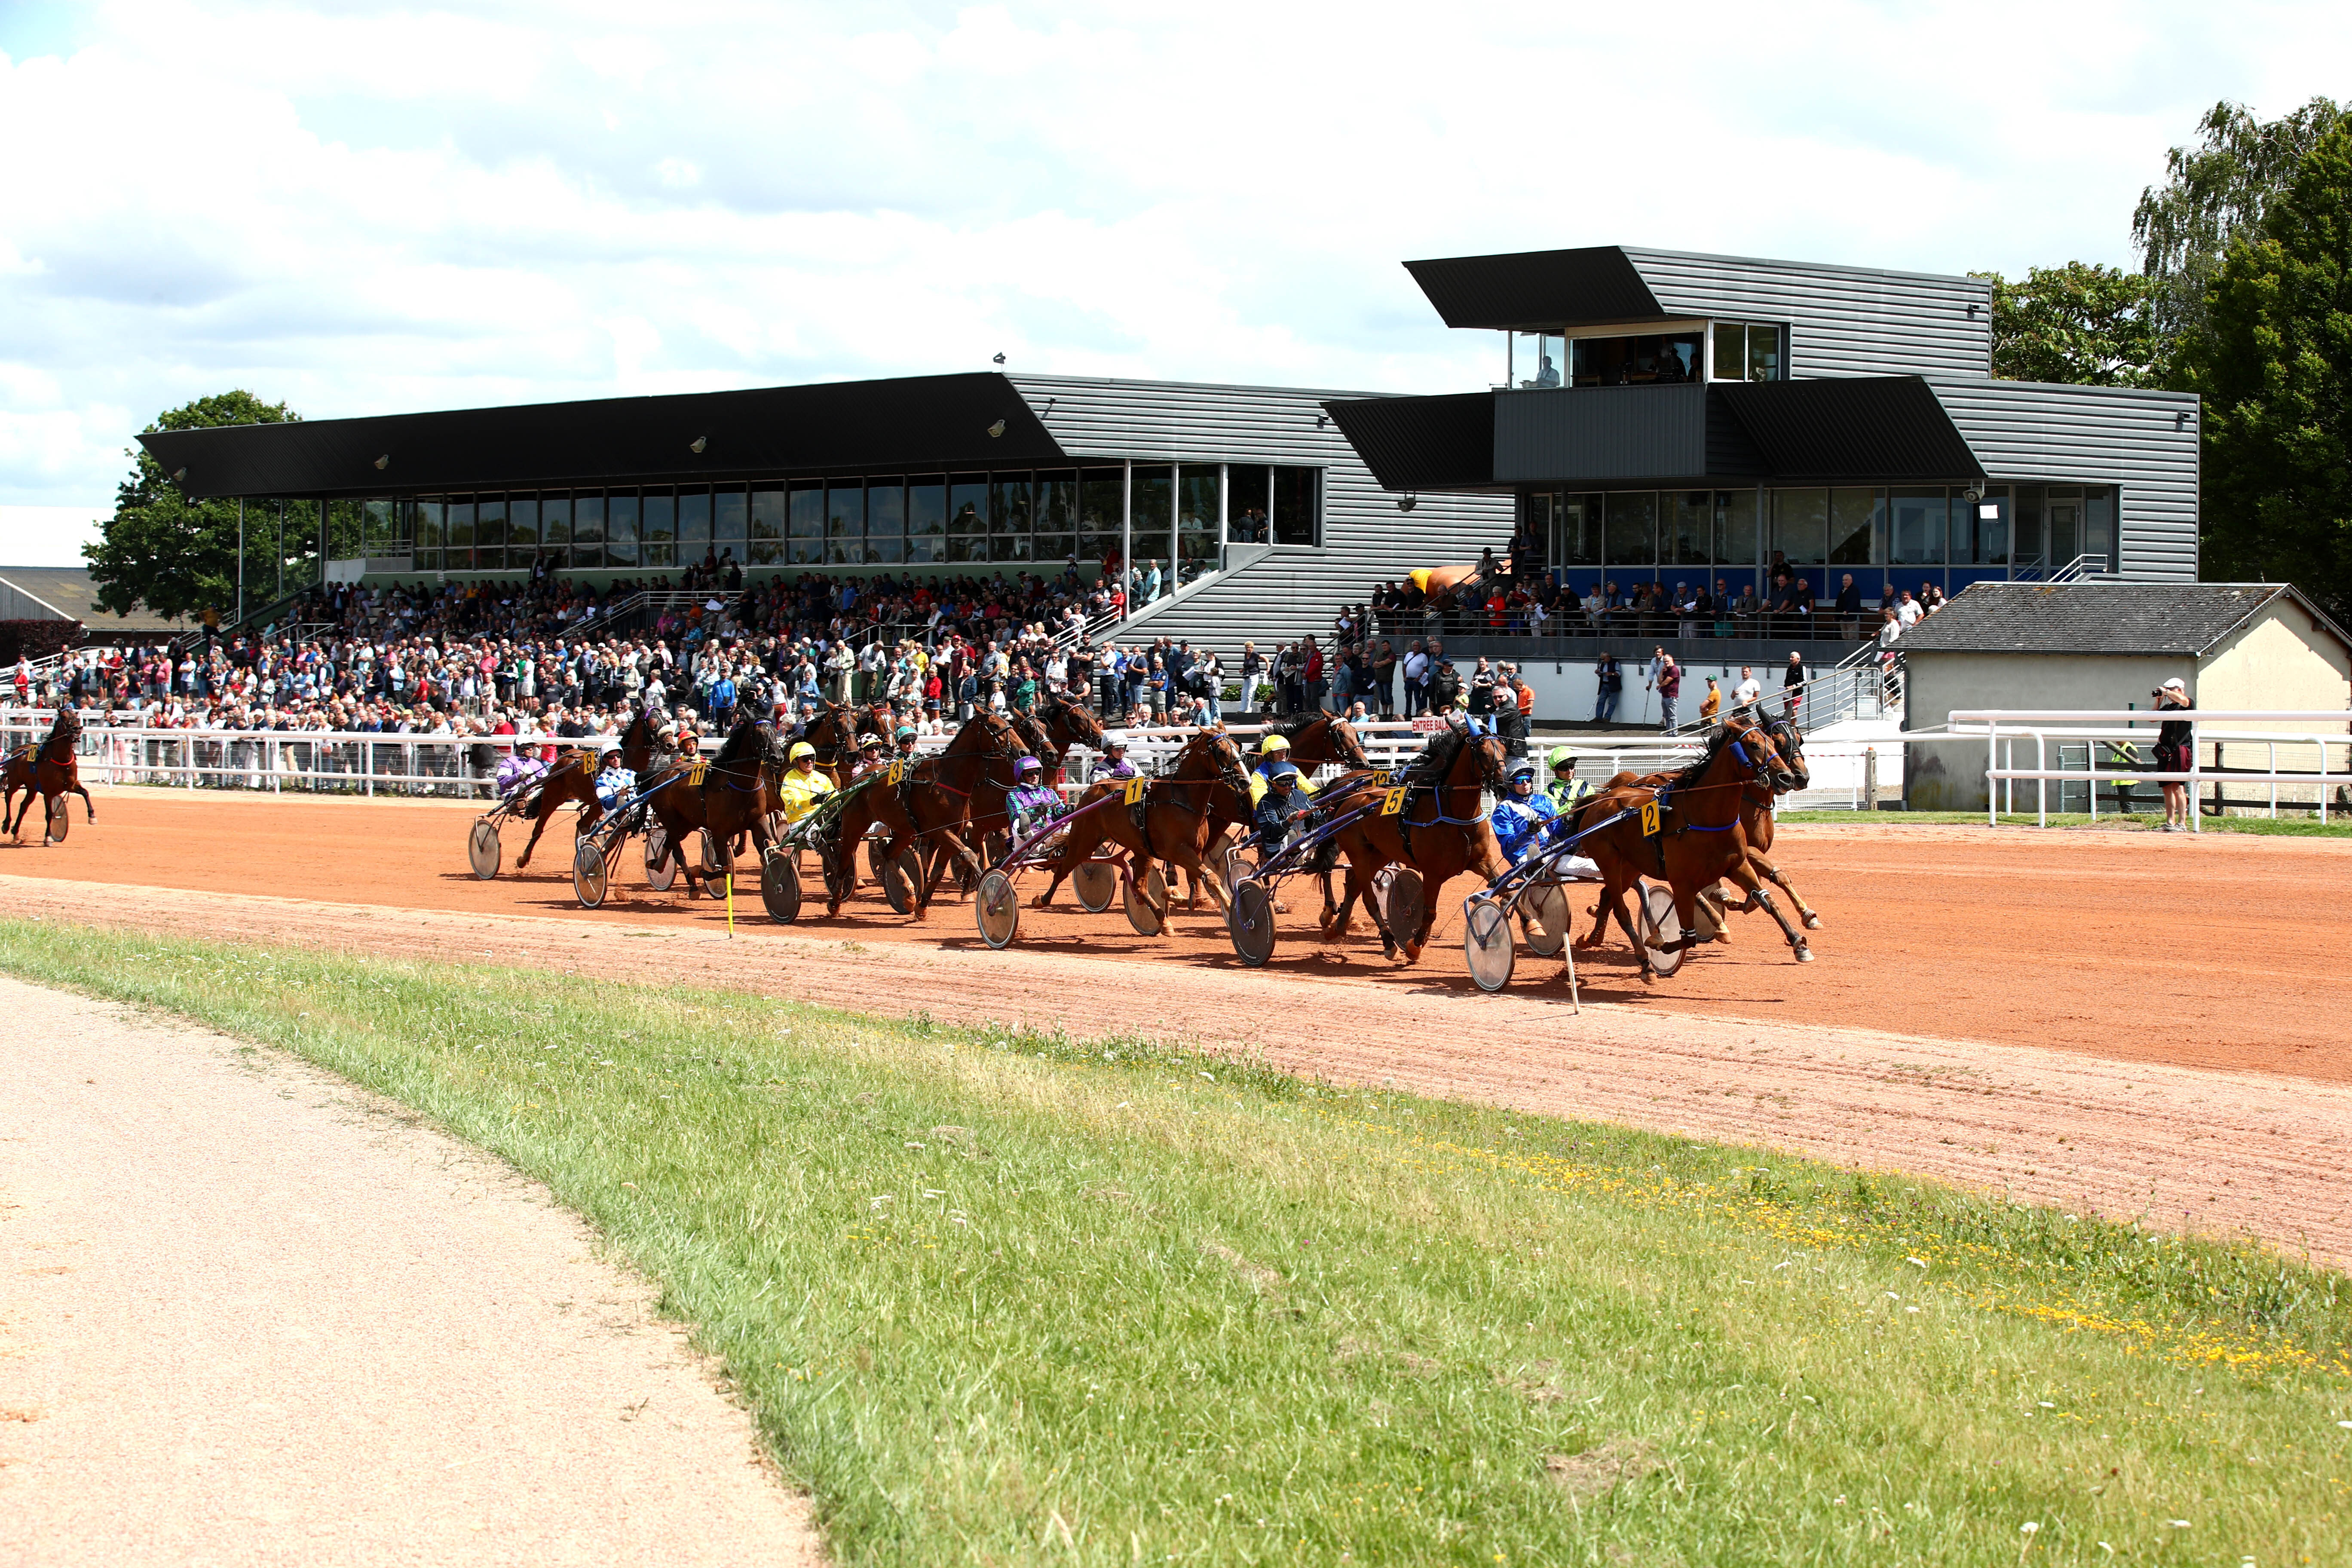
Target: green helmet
(1561, 757)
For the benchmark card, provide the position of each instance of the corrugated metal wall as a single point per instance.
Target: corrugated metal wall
(1600, 433)
(2034, 431)
(1843, 320)
(1293, 591)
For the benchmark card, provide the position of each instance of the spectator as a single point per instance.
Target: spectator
(1384, 663)
(1416, 679)
(1792, 681)
(1744, 695)
(1610, 683)
(1670, 686)
(1849, 609)
(2175, 746)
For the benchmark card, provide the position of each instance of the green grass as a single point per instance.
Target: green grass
(2336, 826)
(999, 1298)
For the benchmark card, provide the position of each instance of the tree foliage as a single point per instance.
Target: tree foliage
(174, 554)
(2214, 190)
(2081, 323)
(2274, 363)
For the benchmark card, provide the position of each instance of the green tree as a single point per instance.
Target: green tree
(2213, 192)
(2082, 324)
(2274, 363)
(174, 554)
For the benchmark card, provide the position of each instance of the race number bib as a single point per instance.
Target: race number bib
(1392, 801)
(1649, 819)
(897, 775)
(699, 766)
(1133, 793)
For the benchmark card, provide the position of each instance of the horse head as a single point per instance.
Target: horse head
(1752, 750)
(1790, 741)
(1330, 739)
(1075, 724)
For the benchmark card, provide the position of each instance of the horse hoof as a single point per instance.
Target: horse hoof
(1805, 954)
(1413, 953)
(1812, 920)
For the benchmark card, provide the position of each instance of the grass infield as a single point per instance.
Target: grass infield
(1002, 1298)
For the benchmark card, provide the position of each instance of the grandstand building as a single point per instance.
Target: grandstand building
(1655, 416)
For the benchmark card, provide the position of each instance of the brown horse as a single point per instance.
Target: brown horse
(48, 772)
(834, 733)
(1174, 821)
(1326, 738)
(1439, 829)
(573, 778)
(1692, 840)
(732, 796)
(930, 804)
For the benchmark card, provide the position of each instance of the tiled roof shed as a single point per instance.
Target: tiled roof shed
(2184, 618)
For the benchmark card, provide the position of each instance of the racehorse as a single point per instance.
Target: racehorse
(1048, 733)
(48, 771)
(1438, 829)
(1324, 739)
(730, 797)
(928, 804)
(834, 733)
(1175, 819)
(572, 777)
(1690, 842)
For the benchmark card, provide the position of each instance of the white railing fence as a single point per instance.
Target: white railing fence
(2318, 728)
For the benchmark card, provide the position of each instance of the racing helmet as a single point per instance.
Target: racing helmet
(1282, 773)
(1561, 757)
(869, 741)
(1025, 766)
(906, 732)
(800, 749)
(1273, 746)
(1525, 768)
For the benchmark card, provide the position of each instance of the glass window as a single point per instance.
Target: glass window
(555, 528)
(2025, 524)
(1855, 528)
(927, 519)
(489, 533)
(1633, 529)
(1057, 516)
(459, 535)
(2062, 520)
(885, 521)
(1538, 360)
(1008, 518)
(523, 530)
(1763, 352)
(1735, 534)
(1197, 498)
(844, 522)
(1155, 517)
(424, 527)
(1694, 528)
(1576, 541)
(1649, 361)
(587, 529)
(658, 528)
(765, 547)
(1249, 503)
(1298, 506)
(1730, 352)
(967, 517)
(1916, 527)
(803, 523)
(693, 526)
(1102, 499)
(1980, 528)
(730, 518)
(621, 529)
(2099, 526)
(1800, 528)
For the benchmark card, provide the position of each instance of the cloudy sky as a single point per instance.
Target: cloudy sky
(360, 208)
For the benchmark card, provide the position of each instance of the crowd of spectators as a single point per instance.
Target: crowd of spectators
(1498, 604)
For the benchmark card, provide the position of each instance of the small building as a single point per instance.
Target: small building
(2057, 646)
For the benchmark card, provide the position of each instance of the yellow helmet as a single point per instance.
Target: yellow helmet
(800, 749)
(1272, 745)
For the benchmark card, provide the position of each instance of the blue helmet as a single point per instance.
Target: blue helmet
(1283, 772)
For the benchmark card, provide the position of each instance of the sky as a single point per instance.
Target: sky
(363, 208)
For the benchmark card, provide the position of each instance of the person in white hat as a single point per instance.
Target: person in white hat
(2174, 748)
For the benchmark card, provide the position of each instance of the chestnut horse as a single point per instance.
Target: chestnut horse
(1326, 738)
(47, 772)
(1174, 821)
(572, 777)
(931, 804)
(1440, 830)
(734, 796)
(1694, 841)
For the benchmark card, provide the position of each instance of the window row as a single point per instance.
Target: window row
(1743, 352)
(1176, 512)
(2045, 527)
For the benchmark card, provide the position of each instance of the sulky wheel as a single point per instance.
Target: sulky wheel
(1404, 904)
(57, 816)
(996, 908)
(710, 867)
(1660, 925)
(901, 878)
(1486, 944)
(588, 871)
(1096, 883)
(1544, 906)
(482, 848)
(661, 871)
(780, 885)
(874, 844)
(1141, 902)
(1251, 923)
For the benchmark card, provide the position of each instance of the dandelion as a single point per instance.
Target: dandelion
(2029, 1527)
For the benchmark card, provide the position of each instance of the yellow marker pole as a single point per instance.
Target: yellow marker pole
(729, 875)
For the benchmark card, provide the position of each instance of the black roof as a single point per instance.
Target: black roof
(1421, 443)
(2184, 618)
(1890, 429)
(930, 421)
(1538, 289)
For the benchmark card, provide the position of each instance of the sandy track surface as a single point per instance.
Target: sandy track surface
(2214, 950)
(248, 1316)
(2213, 1149)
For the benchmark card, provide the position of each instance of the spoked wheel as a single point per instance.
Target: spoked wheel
(873, 859)
(1096, 883)
(1405, 903)
(710, 867)
(1142, 901)
(1545, 909)
(1486, 944)
(661, 871)
(997, 909)
(780, 885)
(901, 878)
(483, 848)
(57, 816)
(1661, 925)
(588, 879)
(1251, 923)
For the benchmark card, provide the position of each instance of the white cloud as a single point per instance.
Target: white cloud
(357, 207)
(47, 535)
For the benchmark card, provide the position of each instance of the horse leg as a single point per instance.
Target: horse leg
(1391, 947)
(1810, 920)
(89, 814)
(1746, 875)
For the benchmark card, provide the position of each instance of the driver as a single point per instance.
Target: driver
(1280, 799)
(1566, 790)
(803, 786)
(1030, 802)
(614, 783)
(1523, 814)
(1273, 753)
(1114, 763)
(869, 756)
(906, 738)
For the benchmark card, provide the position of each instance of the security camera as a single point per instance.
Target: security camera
(1974, 493)
(1407, 502)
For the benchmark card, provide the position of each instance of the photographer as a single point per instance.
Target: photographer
(2175, 750)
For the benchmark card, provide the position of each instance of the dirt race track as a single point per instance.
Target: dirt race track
(2138, 1024)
